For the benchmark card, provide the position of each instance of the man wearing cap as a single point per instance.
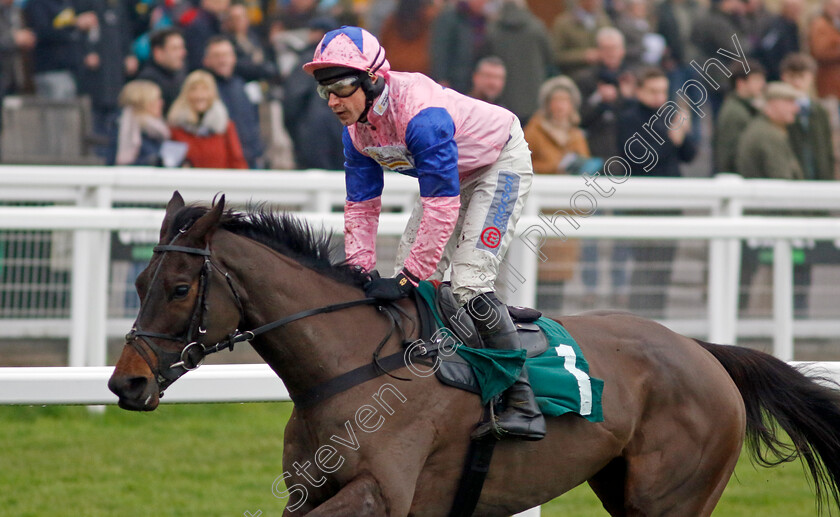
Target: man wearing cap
(764, 150)
(474, 170)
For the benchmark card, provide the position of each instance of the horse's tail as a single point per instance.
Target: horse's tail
(807, 409)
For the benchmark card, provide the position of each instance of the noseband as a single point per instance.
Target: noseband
(194, 352)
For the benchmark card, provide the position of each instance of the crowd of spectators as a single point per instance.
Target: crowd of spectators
(501, 51)
(583, 76)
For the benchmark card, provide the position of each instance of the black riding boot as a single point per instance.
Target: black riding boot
(521, 417)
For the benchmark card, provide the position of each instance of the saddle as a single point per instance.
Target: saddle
(454, 370)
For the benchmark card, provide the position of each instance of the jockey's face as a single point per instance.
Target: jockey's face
(348, 109)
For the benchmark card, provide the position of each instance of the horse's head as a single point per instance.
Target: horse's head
(187, 304)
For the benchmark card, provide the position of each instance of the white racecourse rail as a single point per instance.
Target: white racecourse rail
(87, 195)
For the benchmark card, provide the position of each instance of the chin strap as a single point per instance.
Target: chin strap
(363, 117)
(373, 89)
(372, 92)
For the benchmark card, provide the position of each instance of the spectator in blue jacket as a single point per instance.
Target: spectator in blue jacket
(206, 24)
(58, 52)
(313, 128)
(458, 42)
(220, 60)
(780, 39)
(108, 61)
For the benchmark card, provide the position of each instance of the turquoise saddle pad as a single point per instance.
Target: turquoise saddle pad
(559, 376)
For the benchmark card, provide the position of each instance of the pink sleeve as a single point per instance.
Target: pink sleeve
(440, 214)
(361, 220)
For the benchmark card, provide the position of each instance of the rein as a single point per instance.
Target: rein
(251, 334)
(193, 354)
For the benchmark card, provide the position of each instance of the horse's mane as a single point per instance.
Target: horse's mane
(281, 232)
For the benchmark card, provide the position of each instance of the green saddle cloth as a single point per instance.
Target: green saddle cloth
(559, 376)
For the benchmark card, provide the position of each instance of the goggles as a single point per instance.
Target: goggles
(344, 87)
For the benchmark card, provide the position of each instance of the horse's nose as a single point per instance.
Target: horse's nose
(128, 387)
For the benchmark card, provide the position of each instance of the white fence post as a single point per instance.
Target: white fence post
(321, 202)
(79, 288)
(89, 285)
(716, 299)
(100, 269)
(783, 300)
(731, 287)
(80, 282)
(724, 269)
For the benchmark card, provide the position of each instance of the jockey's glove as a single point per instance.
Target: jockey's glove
(394, 288)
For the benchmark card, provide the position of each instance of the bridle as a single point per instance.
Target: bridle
(194, 351)
(170, 365)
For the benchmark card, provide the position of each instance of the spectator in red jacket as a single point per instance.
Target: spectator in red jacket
(199, 118)
(825, 47)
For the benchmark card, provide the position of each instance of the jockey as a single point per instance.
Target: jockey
(474, 170)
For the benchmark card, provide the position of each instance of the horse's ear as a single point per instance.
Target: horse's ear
(175, 204)
(203, 228)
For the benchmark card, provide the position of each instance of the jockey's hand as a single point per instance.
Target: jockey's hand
(394, 288)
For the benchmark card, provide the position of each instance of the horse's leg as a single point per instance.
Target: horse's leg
(681, 462)
(611, 485)
(650, 493)
(668, 480)
(361, 497)
(608, 484)
(376, 478)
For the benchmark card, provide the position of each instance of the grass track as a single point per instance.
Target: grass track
(221, 460)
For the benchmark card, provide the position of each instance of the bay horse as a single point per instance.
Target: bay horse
(676, 410)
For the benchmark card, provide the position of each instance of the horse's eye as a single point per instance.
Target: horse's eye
(181, 291)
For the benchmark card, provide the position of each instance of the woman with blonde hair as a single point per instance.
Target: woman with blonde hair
(199, 119)
(141, 130)
(558, 146)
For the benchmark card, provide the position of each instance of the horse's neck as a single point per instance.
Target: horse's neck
(314, 349)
